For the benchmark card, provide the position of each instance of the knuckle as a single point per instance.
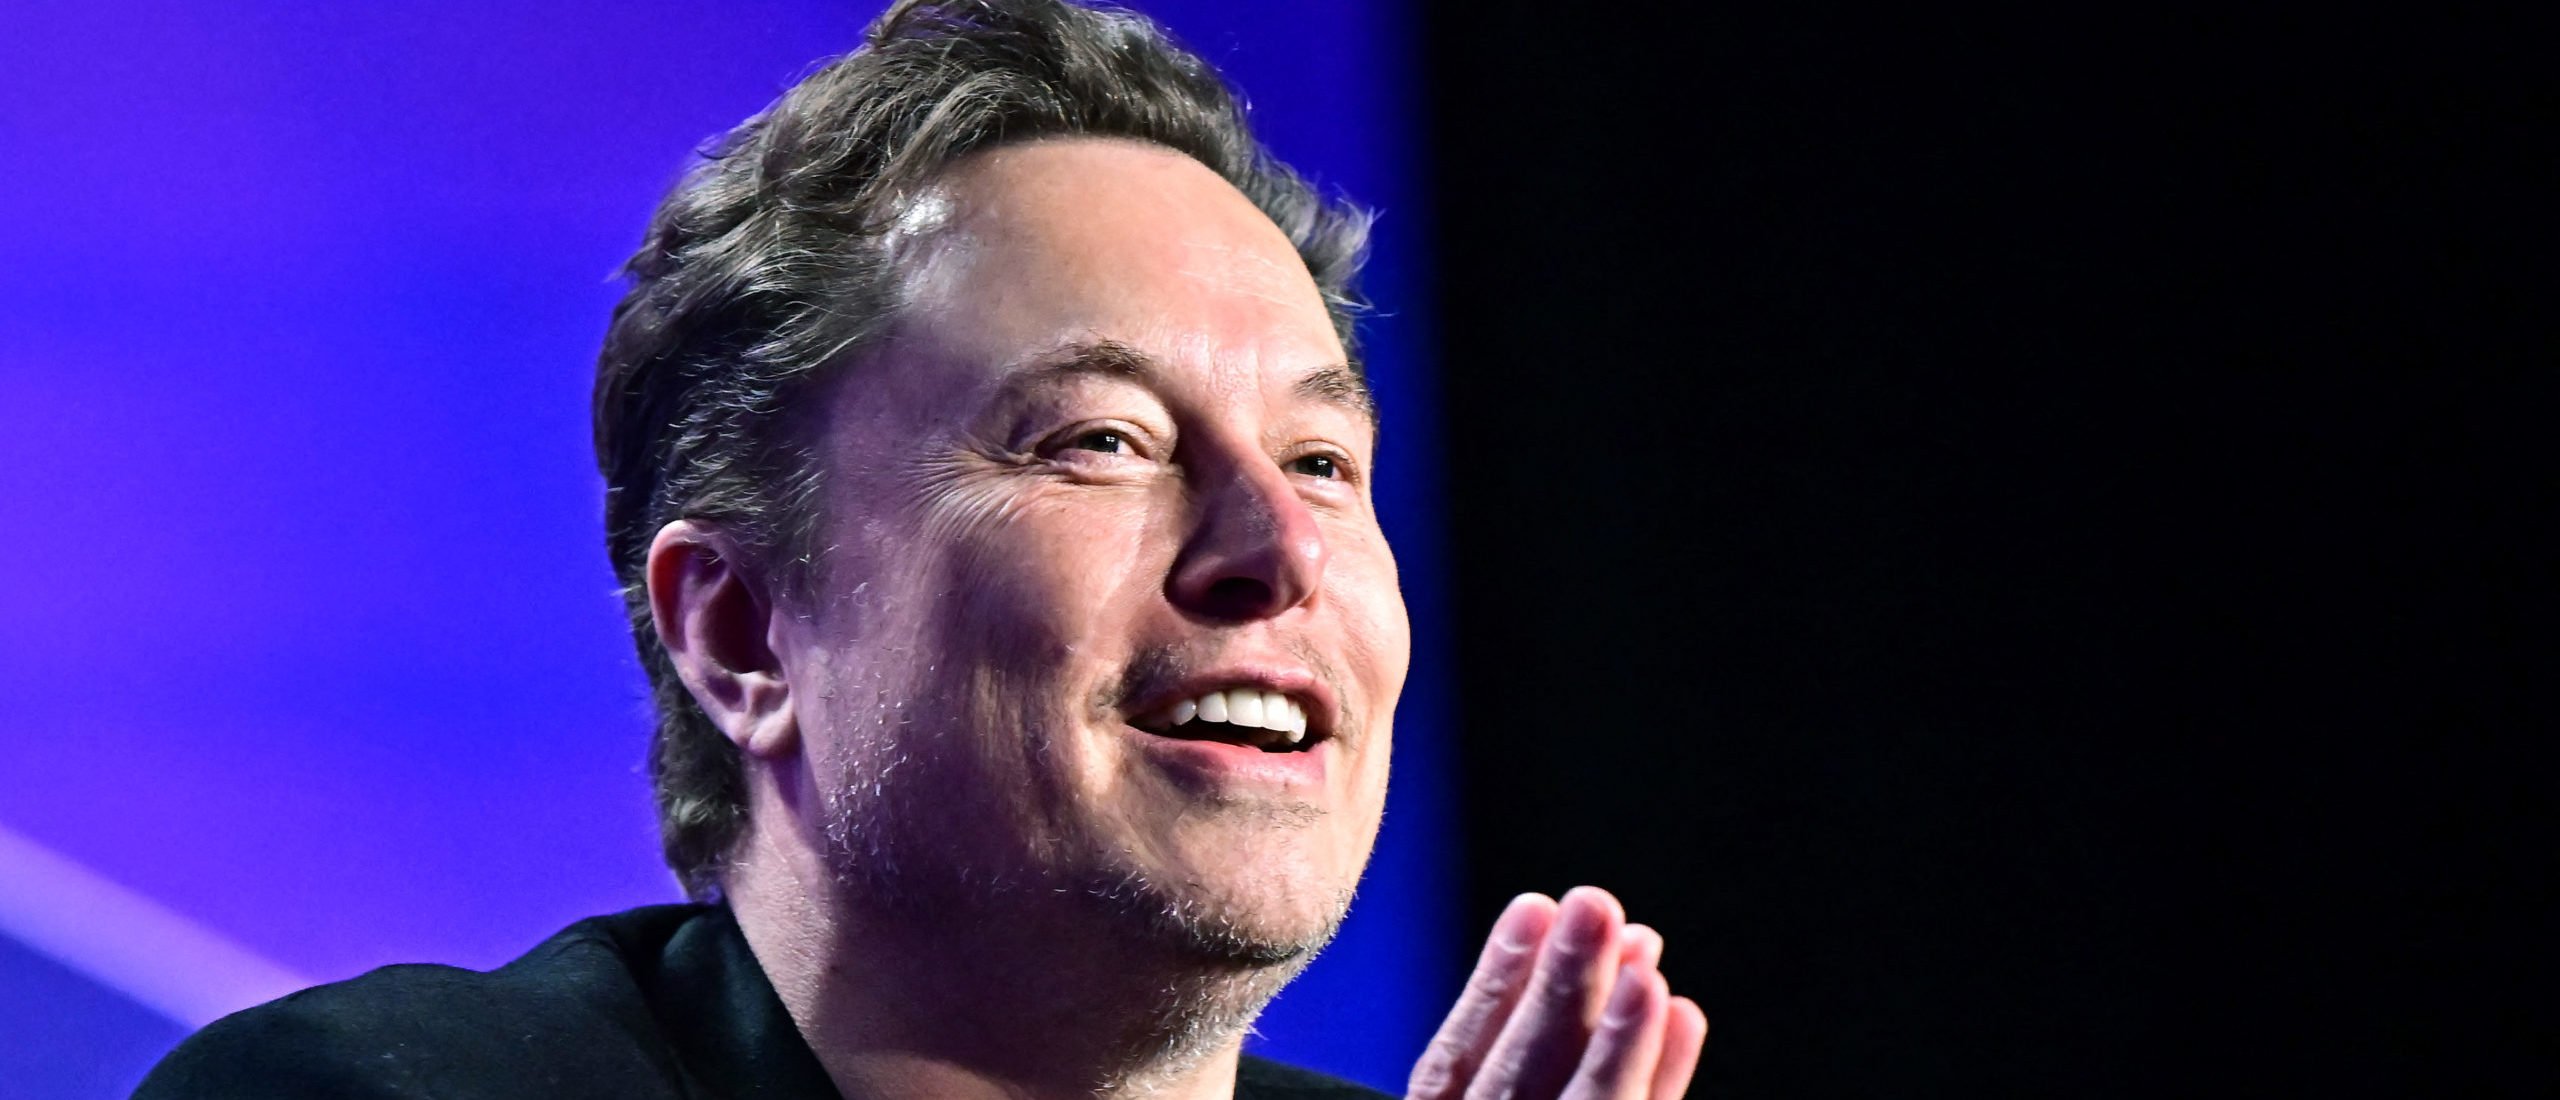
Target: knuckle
(1490, 982)
(1441, 1072)
(1500, 1078)
(1565, 993)
(1434, 1078)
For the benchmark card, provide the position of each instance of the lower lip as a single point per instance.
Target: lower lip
(1217, 765)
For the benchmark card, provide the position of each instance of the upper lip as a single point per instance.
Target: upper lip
(1298, 683)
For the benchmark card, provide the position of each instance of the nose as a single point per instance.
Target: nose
(1254, 549)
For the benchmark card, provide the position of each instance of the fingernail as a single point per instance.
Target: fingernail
(1511, 929)
(1626, 1002)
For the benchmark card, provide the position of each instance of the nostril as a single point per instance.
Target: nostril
(1239, 596)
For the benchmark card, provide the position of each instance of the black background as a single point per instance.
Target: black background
(2015, 544)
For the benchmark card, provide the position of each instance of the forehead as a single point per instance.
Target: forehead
(1058, 243)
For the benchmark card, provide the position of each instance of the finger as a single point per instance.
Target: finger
(1542, 1042)
(1502, 971)
(1640, 946)
(1683, 1034)
(1619, 1065)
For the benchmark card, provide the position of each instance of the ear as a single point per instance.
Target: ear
(715, 617)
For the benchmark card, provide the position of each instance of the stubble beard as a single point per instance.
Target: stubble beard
(1203, 968)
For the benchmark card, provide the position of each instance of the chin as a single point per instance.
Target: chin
(1251, 901)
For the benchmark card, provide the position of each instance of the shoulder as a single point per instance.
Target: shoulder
(1264, 1079)
(567, 1018)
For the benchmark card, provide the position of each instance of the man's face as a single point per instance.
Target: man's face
(1108, 468)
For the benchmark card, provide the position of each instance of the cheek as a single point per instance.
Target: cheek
(1032, 628)
(1376, 651)
(1038, 582)
(1379, 636)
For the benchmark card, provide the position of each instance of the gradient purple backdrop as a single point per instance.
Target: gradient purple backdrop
(314, 641)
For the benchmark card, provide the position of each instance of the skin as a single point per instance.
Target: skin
(1109, 449)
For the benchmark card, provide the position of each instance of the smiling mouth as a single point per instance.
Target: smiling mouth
(1265, 720)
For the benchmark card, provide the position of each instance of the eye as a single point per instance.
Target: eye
(1105, 440)
(1096, 445)
(1322, 466)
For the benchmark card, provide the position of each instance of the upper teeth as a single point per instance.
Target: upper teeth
(1246, 707)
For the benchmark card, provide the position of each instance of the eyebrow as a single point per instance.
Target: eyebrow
(1337, 385)
(1110, 358)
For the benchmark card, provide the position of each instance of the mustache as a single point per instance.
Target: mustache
(1154, 667)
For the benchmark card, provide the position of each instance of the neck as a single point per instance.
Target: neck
(956, 1001)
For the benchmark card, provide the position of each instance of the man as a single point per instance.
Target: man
(989, 477)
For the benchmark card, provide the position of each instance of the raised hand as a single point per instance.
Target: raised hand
(1567, 1003)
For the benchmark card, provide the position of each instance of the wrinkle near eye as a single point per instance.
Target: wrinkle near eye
(962, 496)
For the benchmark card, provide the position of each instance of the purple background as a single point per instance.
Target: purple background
(313, 640)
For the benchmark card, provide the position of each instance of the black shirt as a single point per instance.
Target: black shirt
(663, 1001)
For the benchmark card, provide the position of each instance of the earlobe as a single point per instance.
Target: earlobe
(715, 618)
